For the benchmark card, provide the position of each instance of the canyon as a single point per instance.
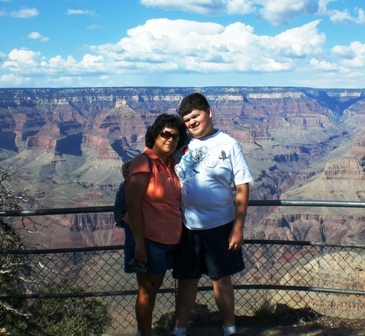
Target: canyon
(65, 148)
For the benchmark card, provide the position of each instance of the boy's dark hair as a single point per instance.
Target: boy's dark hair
(162, 121)
(194, 101)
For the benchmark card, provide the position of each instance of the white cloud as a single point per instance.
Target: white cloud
(342, 16)
(352, 56)
(186, 47)
(343, 52)
(92, 62)
(343, 67)
(19, 59)
(204, 7)
(323, 65)
(279, 12)
(25, 13)
(11, 80)
(209, 47)
(323, 5)
(301, 41)
(38, 37)
(181, 46)
(80, 12)
(58, 63)
(345, 16)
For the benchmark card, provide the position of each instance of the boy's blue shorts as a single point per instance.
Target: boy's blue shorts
(206, 252)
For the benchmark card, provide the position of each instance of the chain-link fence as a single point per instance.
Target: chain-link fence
(301, 277)
(298, 280)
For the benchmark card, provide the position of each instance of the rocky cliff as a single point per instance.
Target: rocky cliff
(341, 270)
(301, 143)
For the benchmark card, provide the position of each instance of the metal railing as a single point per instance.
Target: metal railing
(303, 278)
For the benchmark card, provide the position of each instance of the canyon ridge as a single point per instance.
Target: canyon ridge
(65, 148)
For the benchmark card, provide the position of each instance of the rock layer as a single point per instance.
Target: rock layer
(301, 143)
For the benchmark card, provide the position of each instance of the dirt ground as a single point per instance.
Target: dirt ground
(282, 323)
(320, 327)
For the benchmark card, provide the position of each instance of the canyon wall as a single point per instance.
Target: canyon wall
(66, 148)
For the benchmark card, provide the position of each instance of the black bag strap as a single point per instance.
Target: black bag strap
(119, 202)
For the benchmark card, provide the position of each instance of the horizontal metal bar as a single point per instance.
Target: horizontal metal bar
(64, 250)
(301, 243)
(311, 203)
(173, 291)
(121, 247)
(302, 289)
(57, 211)
(80, 294)
(64, 211)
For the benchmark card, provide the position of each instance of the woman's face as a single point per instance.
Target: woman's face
(166, 142)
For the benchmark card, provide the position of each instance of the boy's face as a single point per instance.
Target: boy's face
(199, 123)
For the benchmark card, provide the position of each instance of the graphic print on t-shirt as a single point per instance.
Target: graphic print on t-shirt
(197, 158)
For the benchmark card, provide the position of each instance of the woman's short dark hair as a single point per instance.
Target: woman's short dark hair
(162, 121)
(194, 101)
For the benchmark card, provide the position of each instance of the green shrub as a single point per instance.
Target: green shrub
(264, 310)
(73, 316)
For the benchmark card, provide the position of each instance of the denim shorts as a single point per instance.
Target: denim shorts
(160, 256)
(206, 252)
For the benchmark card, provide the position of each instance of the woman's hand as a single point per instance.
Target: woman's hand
(140, 253)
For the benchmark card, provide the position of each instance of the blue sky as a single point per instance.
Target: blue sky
(171, 43)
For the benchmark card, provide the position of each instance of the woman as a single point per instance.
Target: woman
(154, 220)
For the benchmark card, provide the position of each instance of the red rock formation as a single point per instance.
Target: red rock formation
(81, 137)
(45, 139)
(345, 169)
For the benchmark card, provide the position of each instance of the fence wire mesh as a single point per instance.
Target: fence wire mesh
(300, 278)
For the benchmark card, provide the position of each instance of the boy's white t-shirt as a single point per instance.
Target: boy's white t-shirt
(208, 172)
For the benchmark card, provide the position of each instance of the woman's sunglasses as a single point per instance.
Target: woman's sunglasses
(167, 135)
